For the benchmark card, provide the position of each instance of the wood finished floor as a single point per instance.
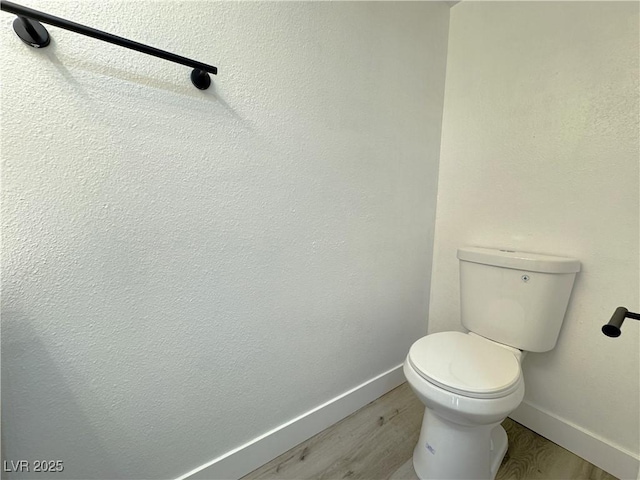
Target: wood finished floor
(377, 441)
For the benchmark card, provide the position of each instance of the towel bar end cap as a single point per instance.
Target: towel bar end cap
(611, 330)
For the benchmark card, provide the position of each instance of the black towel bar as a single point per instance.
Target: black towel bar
(34, 34)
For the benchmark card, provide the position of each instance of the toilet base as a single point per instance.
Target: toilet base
(449, 451)
(499, 445)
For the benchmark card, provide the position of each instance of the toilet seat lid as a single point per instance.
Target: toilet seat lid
(465, 364)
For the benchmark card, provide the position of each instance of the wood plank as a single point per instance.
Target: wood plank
(531, 456)
(405, 472)
(371, 443)
(377, 442)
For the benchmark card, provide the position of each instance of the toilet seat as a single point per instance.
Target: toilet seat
(466, 365)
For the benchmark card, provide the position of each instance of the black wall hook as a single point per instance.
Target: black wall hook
(612, 329)
(34, 34)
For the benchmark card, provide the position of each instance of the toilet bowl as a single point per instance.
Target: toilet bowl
(511, 303)
(469, 385)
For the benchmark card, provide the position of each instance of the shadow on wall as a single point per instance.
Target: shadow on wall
(64, 63)
(33, 410)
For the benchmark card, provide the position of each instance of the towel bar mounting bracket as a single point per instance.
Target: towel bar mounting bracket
(31, 32)
(612, 329)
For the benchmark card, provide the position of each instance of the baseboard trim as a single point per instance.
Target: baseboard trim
(596, 450)
(255, 453)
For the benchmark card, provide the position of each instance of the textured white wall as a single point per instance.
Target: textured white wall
(540, 153)
(185, 270)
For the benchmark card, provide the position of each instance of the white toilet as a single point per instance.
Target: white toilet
(511, 303)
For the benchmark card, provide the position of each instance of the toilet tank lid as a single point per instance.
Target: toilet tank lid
(531, 262)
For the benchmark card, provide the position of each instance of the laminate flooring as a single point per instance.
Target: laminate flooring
(377, 442)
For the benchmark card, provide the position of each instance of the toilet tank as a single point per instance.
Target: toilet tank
(515, 298)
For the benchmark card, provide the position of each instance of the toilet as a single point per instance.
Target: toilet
(511, 303)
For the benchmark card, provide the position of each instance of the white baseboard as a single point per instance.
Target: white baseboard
(246, 458)
(598, 451)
